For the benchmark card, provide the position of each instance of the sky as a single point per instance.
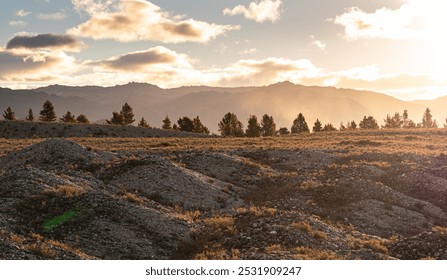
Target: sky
(395, 47)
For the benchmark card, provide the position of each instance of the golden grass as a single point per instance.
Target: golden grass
(440, 230)
(376, 245)
(224, 223)
(41, 249)
(133, 198)
(306, 253)
(65, 191)
(257, 211)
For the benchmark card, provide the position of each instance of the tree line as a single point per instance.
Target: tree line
(230, 126)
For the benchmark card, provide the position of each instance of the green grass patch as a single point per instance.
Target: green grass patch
(56, 221)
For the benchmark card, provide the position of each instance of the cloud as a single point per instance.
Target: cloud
(248, 51)
(15, 23)
(22, 13)
(146, 60)
(140, 20)
(260, 11)
(45, 42)
(413, 20)
(54, 16)
(30, 66)
(317, 43)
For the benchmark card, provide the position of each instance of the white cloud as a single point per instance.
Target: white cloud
(415, 19)
(17, 23)
(317, 43)
(259, 11)
(54, 16)
(248, 51)
(22, 13)
(140, 20)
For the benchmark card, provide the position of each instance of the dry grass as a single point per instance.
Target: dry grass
(221, 224)
(133, 198)
(303, 225)
(306, 253)
(218, 253)
(274, 249)
(376, 245)
(65, 191)
(42, 250)
(257, 211)
(440, 230)
(17, 239)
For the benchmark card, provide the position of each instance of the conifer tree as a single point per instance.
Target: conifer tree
(82, 119)
(268, 126)
(167, 123)
(368, 123)
(143, 123)
(185, 124)
(317, 126)
(299, 125)
(127, 113)
(329, 127)
(199, 127)
(253, 128)
(283, 131)
(230, 126)
(117, 119)
(9, 114)
(30, 116)
(427, 120)
(47, 113)
(68, 118)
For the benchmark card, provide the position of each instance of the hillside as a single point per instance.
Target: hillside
(344, 195)
(283, 101)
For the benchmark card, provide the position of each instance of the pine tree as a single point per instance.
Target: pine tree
(9, 114)
(127, 113)
(317, 126)
(47, 113)
(117, 119)
(253, 128)
(175, 127)
(427, 120)
(68, 118)
(143, 123)
(199, 127)
(30, 116)
(230, 126)
(393, 122)
(368, 123)
(268, 126)
(329, 127)
(283, 131)
(299, 125)
(352, 126)
(185, 124)
(82, 119)
(342, 127)
(167, 123)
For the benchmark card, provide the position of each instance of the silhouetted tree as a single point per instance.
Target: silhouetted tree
(143, 123)
(342, 127)
(268, 126)
(283, 131)
(30, 116)
(317, 126)
(329, 127)
(299, 125)
(127, 113)
(167, 123)
(393, 122)
(253, 128)
(368, 123)
(352, 125)
(82, 119)
(199, 127)
(9, 114)
(185, 124)
(117, 119)
(427, 120)
(68, 118)
(47, 113)
(230, 126)
(175, 127)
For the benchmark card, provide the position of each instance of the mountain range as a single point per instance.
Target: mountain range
(284, 101)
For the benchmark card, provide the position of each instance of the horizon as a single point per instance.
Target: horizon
(389, 47)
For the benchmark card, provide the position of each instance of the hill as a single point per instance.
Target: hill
(345, 195)
(283, 101)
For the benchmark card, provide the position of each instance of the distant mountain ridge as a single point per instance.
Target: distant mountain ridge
(284, 101)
